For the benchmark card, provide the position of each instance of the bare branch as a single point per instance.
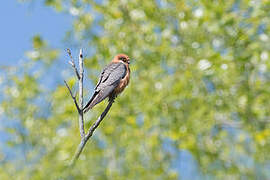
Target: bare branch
(90, 132)
(81, 121)
(73, 97)
(71, 62)
(84, 138)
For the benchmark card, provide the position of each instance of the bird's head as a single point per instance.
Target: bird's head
(121, 57)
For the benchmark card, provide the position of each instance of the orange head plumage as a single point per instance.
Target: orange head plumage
(121, 57)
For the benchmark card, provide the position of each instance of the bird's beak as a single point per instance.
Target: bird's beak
(128, 62)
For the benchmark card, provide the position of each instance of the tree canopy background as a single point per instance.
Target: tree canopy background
(197, 107)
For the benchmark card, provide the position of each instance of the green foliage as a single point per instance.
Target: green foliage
(200, 80)
(41, 51)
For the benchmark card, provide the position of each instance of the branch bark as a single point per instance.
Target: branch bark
(81, 123)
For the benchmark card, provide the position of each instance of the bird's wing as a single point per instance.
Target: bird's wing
(112, 74)
(105, 73)
(108, 81)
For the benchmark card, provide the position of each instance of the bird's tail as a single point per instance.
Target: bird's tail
(98, 97)
(87, 107)
(90, 103)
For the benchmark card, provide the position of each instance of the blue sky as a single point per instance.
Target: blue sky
(21, 21)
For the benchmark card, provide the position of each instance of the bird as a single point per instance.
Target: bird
(112, 81)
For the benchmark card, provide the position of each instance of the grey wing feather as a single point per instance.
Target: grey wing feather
(104, 74)
(109, 80)
(112, 75)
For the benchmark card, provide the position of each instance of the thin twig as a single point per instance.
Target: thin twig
(81, 121)
(90, 133)
(73, 97)
(71, 62)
